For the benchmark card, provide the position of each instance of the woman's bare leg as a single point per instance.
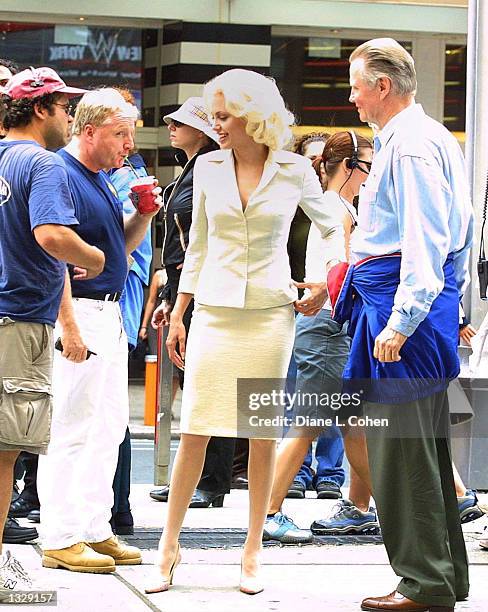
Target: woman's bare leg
(289, 459)
(262, 454)
(187, 470)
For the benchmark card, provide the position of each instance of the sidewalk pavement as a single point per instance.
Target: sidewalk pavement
(325, 577)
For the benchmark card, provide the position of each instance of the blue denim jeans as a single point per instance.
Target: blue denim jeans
(320, 352)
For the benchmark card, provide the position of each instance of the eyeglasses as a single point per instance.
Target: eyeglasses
(368, 165)
(3, 82)
(176, 123)
(66, 107)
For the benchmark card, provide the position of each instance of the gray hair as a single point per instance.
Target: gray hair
(384, 57)
(99, 106)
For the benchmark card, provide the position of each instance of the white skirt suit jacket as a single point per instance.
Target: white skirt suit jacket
(237, 267)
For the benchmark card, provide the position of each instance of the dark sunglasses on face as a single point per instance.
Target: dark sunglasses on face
(176, 123)
(366, 163)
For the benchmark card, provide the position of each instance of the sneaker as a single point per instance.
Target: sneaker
(78, 558)
(282, 529)
(468, 507)
(327, 489)
(346, 519)
(13, 577)
(120, 552)
(296, 490)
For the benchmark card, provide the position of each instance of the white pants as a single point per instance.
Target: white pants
(90, 416)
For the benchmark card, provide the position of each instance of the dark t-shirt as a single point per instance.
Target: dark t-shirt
(33, 191)
(99, 211)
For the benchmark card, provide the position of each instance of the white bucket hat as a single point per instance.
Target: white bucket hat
(193, 113)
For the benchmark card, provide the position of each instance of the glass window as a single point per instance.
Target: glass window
(313, 76)
(84, 56)
(455, 88)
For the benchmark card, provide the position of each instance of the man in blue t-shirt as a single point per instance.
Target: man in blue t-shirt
(91, 407)
(36, 215)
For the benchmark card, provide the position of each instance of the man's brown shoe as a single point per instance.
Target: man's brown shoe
(78, 558)
(397, 601)
(121, 553)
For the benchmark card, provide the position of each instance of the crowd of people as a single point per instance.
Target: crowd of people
(376, 236)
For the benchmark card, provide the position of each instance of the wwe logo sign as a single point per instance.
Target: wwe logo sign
(104, 47)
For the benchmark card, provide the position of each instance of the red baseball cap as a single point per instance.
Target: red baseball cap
(35, 82)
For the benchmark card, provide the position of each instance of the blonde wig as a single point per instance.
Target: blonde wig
(256, 99)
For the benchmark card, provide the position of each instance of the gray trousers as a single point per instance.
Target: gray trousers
(413, 487)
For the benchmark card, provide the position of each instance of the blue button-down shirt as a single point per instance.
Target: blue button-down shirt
(416, 200)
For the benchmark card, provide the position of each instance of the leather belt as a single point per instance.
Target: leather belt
(104, 297)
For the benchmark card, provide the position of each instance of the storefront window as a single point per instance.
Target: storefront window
(84, 56)
(313, 76)
(455, 88)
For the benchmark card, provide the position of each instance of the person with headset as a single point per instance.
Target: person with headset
(322, 346)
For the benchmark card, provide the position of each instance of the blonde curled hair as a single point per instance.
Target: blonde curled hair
(256, 99)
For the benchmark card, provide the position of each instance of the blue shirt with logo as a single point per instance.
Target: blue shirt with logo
(99, 212)
(33, 191)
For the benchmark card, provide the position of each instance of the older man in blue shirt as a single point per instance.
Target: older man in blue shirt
(410, 251)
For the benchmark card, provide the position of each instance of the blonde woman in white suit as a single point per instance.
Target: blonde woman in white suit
(236, 267)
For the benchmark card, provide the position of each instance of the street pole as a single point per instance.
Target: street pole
(162, 431)
(468, 444)
(477, 137)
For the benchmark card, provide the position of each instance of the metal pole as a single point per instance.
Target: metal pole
(162, 428)
(477, 135)
(469, 449)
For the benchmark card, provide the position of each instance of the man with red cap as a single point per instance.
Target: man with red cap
(36, 215)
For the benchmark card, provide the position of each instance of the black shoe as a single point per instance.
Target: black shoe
(328, 490)
(13, 533)
(122, 523)
(21, 507)
(160, 494)
(204, 499)
(34, 516)
(15, 492)
(239, 482)
(296, 490)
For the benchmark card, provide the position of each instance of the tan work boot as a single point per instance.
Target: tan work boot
(78, 558)
(121, 553)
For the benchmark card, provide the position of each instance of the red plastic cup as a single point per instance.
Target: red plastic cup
(142, 195)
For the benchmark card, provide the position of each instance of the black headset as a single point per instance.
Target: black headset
(353, 161)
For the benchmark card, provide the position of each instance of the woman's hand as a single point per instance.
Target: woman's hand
(466, 333)
(143, 333)
(311, 303)
(161, 316)
(176, 336)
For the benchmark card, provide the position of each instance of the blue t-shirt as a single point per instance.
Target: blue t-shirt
(33, 191)
(99, 211)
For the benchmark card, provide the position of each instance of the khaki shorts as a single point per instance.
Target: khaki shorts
(26, 356)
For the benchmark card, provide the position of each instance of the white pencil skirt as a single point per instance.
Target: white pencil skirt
(227, 345)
